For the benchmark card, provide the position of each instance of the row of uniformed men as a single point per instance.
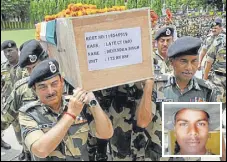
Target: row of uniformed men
(135, 118)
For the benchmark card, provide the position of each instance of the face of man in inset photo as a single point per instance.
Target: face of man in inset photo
(191, 131)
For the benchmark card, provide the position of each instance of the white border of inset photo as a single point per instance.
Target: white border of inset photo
(189, 103)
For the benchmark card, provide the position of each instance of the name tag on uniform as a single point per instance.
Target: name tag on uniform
(157, 67)
(164, 100)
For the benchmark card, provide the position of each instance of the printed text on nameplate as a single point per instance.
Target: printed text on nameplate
(113, 48)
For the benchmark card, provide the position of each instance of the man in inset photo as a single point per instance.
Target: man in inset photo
(191, 124)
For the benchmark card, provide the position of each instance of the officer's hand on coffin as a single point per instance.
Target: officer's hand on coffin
(77, 101)
(89, 97)
(148, 82)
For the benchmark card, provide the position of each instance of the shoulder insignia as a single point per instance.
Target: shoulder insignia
(161, 77)
(170, 81)
(220, 39)
(3, 65)
(21, 82)
(204, 83)
(29, 106)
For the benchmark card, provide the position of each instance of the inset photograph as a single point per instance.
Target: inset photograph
(191, 129)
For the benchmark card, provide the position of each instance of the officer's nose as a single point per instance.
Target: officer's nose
(189, 66)
(50, 89)
(193, 130)
(165, 43)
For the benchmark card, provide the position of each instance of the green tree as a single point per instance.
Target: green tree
(143, 3)
(109, 3)
(100, 3)
(119, 2)
(11, 9)
(157, 6)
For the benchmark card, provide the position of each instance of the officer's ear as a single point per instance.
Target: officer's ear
(174, 130)
(33, 87)
(171, 61)
(17, 49)
(62, 80)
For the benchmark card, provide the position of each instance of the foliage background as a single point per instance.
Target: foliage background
(29, 12)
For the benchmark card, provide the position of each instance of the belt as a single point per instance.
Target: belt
(220, 73)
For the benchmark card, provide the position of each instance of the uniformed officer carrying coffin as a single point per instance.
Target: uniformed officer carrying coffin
(54, 129)
(184, 86)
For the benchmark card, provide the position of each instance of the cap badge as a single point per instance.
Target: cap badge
(53, 68)
(33, 58)
(168, 32)
(9, 45)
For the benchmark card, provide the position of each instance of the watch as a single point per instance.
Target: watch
(93, 103)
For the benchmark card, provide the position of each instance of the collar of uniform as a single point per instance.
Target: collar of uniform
(195, 84)
(15, 66)
(171, 81)
(192, 83)
(157, 53)
(207, 153)
(9, 65)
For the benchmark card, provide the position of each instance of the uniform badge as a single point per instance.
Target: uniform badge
(32, 58)
(53, 68)
(164, 100)
(168, 32)
(9, 45)
(157, 67)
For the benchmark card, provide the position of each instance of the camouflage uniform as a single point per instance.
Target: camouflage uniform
(36, 119)
(120, 103)
(97, 148)
(162, 65)
(9, 77)
(154, 129)
(217, 56)
(19, 96)
(92, 147)
(206, 45)
(208, 42)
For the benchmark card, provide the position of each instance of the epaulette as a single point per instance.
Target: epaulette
(204, 83)
(29, 105)
(3, 64)
(220, 39)
(161, 77)
(222, 35)
(171, 81)
(21, 82)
